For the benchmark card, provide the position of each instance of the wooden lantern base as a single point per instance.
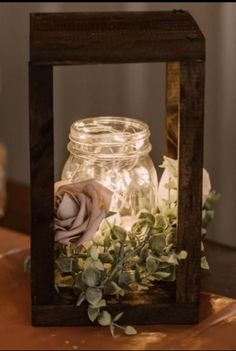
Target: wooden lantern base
(155, 306)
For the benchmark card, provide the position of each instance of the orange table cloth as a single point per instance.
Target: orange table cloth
(216, 330)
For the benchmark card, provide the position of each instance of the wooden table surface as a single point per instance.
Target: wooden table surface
(216, 330)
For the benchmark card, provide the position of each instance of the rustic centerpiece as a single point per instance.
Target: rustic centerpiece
(120, 37)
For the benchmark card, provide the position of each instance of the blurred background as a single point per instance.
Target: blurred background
(134, 90)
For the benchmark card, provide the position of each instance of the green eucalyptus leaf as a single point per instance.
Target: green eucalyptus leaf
(118, 316)
(142, 287)
(140, 229)
(65, 264)
(207, 216)
(105, 227)
(170, 237)
(91, 276)
(88, 263)
(158, 242)
(118, 233)
(98, 264)
(106, 257)
(107, 241)
(101, 303)
(57, 289)
(79, 282)
(93, 313)
(214, 196)
(151, 265)
(172, 259)
(144, 252)
(93, 295)
(160, 221)
(172, 271)
(130, 330)
(117, 288)
(94, 252)
(125, 279)
(155, 231)
(148, 217)
(168, 249)
(172, 215)
(166, 266)
(104, 318)
(182, 255)
(204, 263)
(112, 288)
(112, 329)
(162, 275)
(111, 213)
(109, 289)
(81, 298)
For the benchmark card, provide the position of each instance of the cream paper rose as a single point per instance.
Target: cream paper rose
(171, 174)
(79, 209)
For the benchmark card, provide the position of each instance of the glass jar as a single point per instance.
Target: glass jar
(115, 152)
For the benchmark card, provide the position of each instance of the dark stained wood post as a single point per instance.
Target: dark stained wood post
(120, 37)
(190, 155)
(42, 183)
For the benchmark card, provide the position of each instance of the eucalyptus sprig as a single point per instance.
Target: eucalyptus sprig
(118, 260)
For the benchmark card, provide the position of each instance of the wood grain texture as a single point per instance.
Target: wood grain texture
(67, 315)
(42, 183)
(114, 37)
(190, 155)
(172, 108)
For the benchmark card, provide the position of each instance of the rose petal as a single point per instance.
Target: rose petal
(79, 219)
(88, 204)
(64, 223)
(92, 193)
(64, 242)
(59, 184)
(68, 207)
(96, 216)
(105, 195)
(92, 228)
(69, 234)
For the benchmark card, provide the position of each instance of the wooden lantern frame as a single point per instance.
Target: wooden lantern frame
(119, 37)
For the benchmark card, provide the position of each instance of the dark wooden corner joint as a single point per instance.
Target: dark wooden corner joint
(119, 37)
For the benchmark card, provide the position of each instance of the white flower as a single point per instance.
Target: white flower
(170, 174)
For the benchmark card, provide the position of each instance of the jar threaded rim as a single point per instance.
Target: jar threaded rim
(109, 137)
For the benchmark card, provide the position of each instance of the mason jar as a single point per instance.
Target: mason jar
(115, 152)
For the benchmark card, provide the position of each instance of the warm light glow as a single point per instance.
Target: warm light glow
(115, 152)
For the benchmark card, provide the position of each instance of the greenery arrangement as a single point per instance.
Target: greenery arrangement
(116, 260)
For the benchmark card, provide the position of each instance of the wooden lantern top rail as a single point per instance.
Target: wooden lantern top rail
(114, 37)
